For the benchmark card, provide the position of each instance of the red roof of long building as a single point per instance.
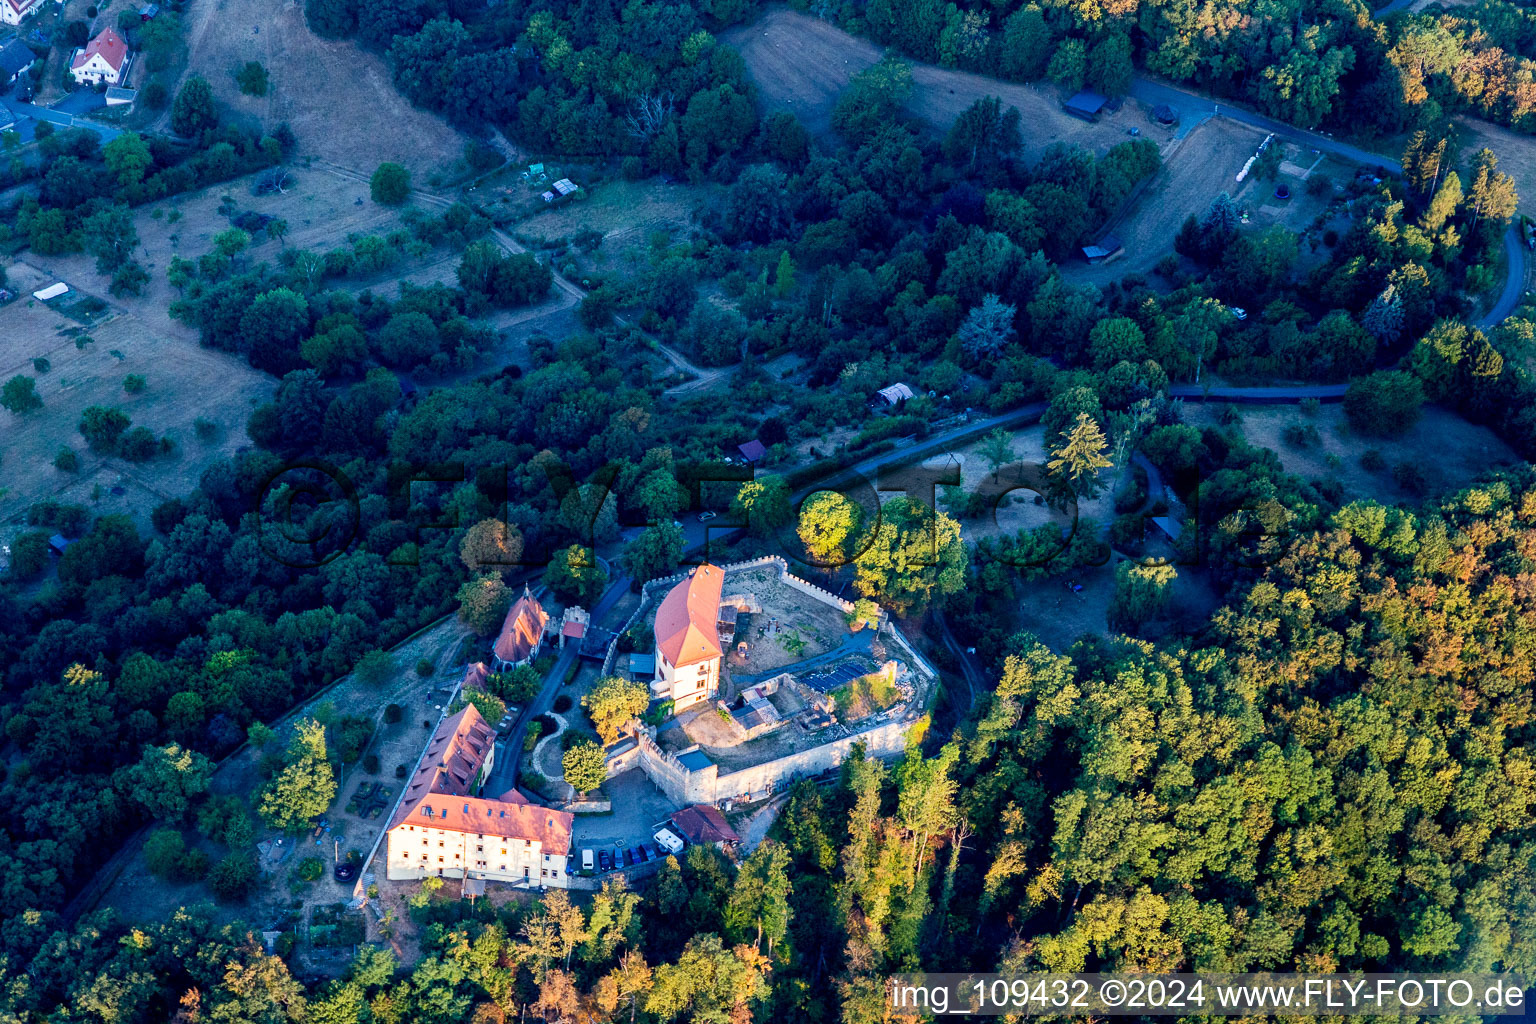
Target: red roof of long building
(685, 622)
(107, 43)
(549, 827)
(453, 759)
(442, 784)
(522, 629)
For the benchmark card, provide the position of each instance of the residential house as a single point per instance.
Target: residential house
(12, 11)
(443, 828)
(16, 59)
(522, 633)
(102, 61)
(688, 641)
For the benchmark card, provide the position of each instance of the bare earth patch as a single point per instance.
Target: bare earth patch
(337, 97)
(1450, 452)
(801, 64)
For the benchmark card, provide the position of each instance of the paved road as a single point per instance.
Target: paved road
(504, 775)
(59, 119)
(1193, 108)
(1514, 280)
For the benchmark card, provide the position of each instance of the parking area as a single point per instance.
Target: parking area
(638, 809)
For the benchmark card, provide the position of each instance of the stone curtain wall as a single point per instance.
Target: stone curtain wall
(756, 782)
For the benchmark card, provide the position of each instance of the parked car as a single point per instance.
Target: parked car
(641, 853)
(669, 841)
(604, 862)
(705, 517)
(588, 861)
(629, 858)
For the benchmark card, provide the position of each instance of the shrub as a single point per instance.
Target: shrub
(400, 771)
(138, 445)
(1410, 478)
(310, 869)
(252, 78)
(425, 668)
(233, 877)
(562, 704)
(393, 713)
(134, 383)
(390, 184)
(205, 429)
(66, 460)
(1371, 460)
(371, 764)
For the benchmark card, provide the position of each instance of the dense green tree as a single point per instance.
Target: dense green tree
(1385, 403)
(655, 552)
(19, 395)
(612, 702)
(914, 556)
(194, 111)
(306, 785)
(390, 184)
(166, 780)
(584, 766)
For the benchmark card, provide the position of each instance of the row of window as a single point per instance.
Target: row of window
(543, 872)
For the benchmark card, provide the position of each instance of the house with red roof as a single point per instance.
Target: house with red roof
(522, 633)
(102, 61)
(444, 827)
(703, 825)
(688, 639)
(12, 11)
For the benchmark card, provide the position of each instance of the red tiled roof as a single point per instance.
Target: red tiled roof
(453, 758)
(550, 827)
(685, 622)
(475, 676)
(701, 824)
(522, 629)
(574, 628)
(20, 6)
(107, 43)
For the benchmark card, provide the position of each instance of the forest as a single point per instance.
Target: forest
(1334, 775)
(1331, 773)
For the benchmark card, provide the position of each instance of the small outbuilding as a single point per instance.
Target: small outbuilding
(1168, 526)
(1086, 105)
(53, 291)
(894, 395)
(703, 825)
(752, 451)
(1165, 115)
(1104, 250)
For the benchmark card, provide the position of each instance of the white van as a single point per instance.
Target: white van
(587, 862)
(669, 841)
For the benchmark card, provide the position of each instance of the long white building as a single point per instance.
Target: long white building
(443, 828)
